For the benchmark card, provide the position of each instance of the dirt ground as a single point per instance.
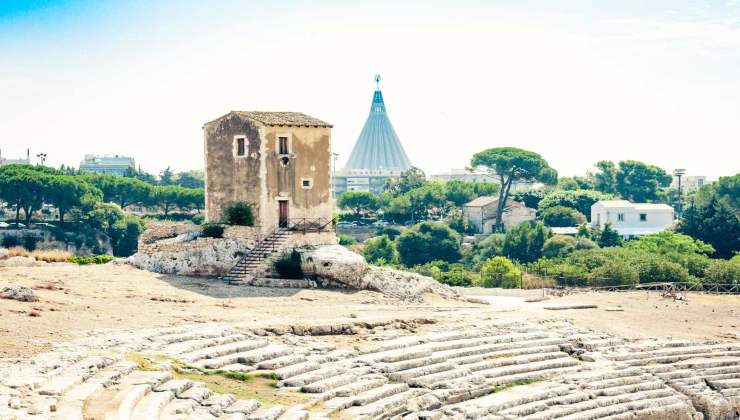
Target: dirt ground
(77, 299)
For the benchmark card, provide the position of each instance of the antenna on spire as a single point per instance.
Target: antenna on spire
(377, 81)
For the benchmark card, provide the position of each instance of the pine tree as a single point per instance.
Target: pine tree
(609, 237)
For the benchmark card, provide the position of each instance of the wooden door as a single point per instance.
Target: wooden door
(283, 221)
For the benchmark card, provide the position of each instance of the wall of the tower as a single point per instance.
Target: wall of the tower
(263, 174)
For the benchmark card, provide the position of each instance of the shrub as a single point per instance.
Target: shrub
(561, 216)
(92, 259)
(614, 273)
(391, 233)
(427, 242)
(241, 214)
(18, 251)
(289, 266)
(655, 268)
(52, 255)
(524, 242)
(213, 230)
(609, 237)
(346, 240)
(581, 200)
(585, 243)
(198, 219)
(558, 246)
(724, 271)
(10, 241)
(500, 272)
(124, 235)
(380, 248)
(457, 277)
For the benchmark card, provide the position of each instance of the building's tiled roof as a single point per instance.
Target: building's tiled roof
(491, 200)
(283, 118)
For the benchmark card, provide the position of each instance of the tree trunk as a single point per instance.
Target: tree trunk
(61, 216)
(17, 213)
(503, 195)
(166, 209)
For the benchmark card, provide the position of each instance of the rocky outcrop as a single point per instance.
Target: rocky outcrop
(201, 256)
(3, 253)
(23, 294)
(337, 264)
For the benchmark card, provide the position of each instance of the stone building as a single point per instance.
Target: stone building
(481, 213)
(280, 162)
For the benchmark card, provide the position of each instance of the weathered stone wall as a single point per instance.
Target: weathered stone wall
(262, 176)
(230, 178)
(202, 257)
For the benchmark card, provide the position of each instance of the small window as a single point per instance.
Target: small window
(643, 217)
(283, 145)
(306, 183)
(620, 217)
(240, 147)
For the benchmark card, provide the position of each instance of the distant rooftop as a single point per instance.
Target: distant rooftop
(296, 119)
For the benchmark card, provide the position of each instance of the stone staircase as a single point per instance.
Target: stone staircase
(245, 269)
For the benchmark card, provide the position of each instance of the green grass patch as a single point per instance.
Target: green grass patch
(146, 361)
(92, 259)
(526, 381)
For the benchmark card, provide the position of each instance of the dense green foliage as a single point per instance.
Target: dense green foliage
(212, 230)
(559, 246)
(92, 259)
(714, 216)
(380, 248)
(561, 216)
(289, 266)
(524, 243)
(500, 272)
(240, 214)
(580, 200)
(427, 242)
(360, 202)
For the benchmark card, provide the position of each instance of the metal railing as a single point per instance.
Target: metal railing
(308, 224)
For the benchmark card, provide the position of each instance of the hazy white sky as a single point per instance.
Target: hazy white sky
(576, 81)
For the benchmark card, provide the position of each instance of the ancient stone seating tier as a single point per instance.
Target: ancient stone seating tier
(492, 371)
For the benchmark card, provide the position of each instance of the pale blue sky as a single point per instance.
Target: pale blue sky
(577, 81)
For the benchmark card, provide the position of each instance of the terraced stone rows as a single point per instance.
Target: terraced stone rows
(498, 371)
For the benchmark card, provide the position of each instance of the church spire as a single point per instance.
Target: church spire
(378, 147)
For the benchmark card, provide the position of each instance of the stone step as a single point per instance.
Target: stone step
(542, 405)
(238, 367)
(629, 406)
(176, 386)
(647, 398)
(220, 401)
(406, 375)
(281, 362)
(198, 393)
(152, 405)
(379, 393)
(411, 364)
(267, 413)
(295, 413)
(501, 348)
(673, 351)
(325, 385)
(313, 376)
(511, 352)
(265, 353)
(191, 336)
(384, 408)
(126, 400)
(177, 349)
(359, 386)
(224, 349)
(437, 380)
(74, 375)
(682, 357)
(527, 368)
(517, 360)
(242, 406)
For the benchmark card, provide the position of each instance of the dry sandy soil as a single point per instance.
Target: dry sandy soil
(77, 299)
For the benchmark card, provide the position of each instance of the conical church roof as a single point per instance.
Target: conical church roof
(378, 147)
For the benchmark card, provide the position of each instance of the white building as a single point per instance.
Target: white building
(632, 219)
(116, 165)
(689, 182)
